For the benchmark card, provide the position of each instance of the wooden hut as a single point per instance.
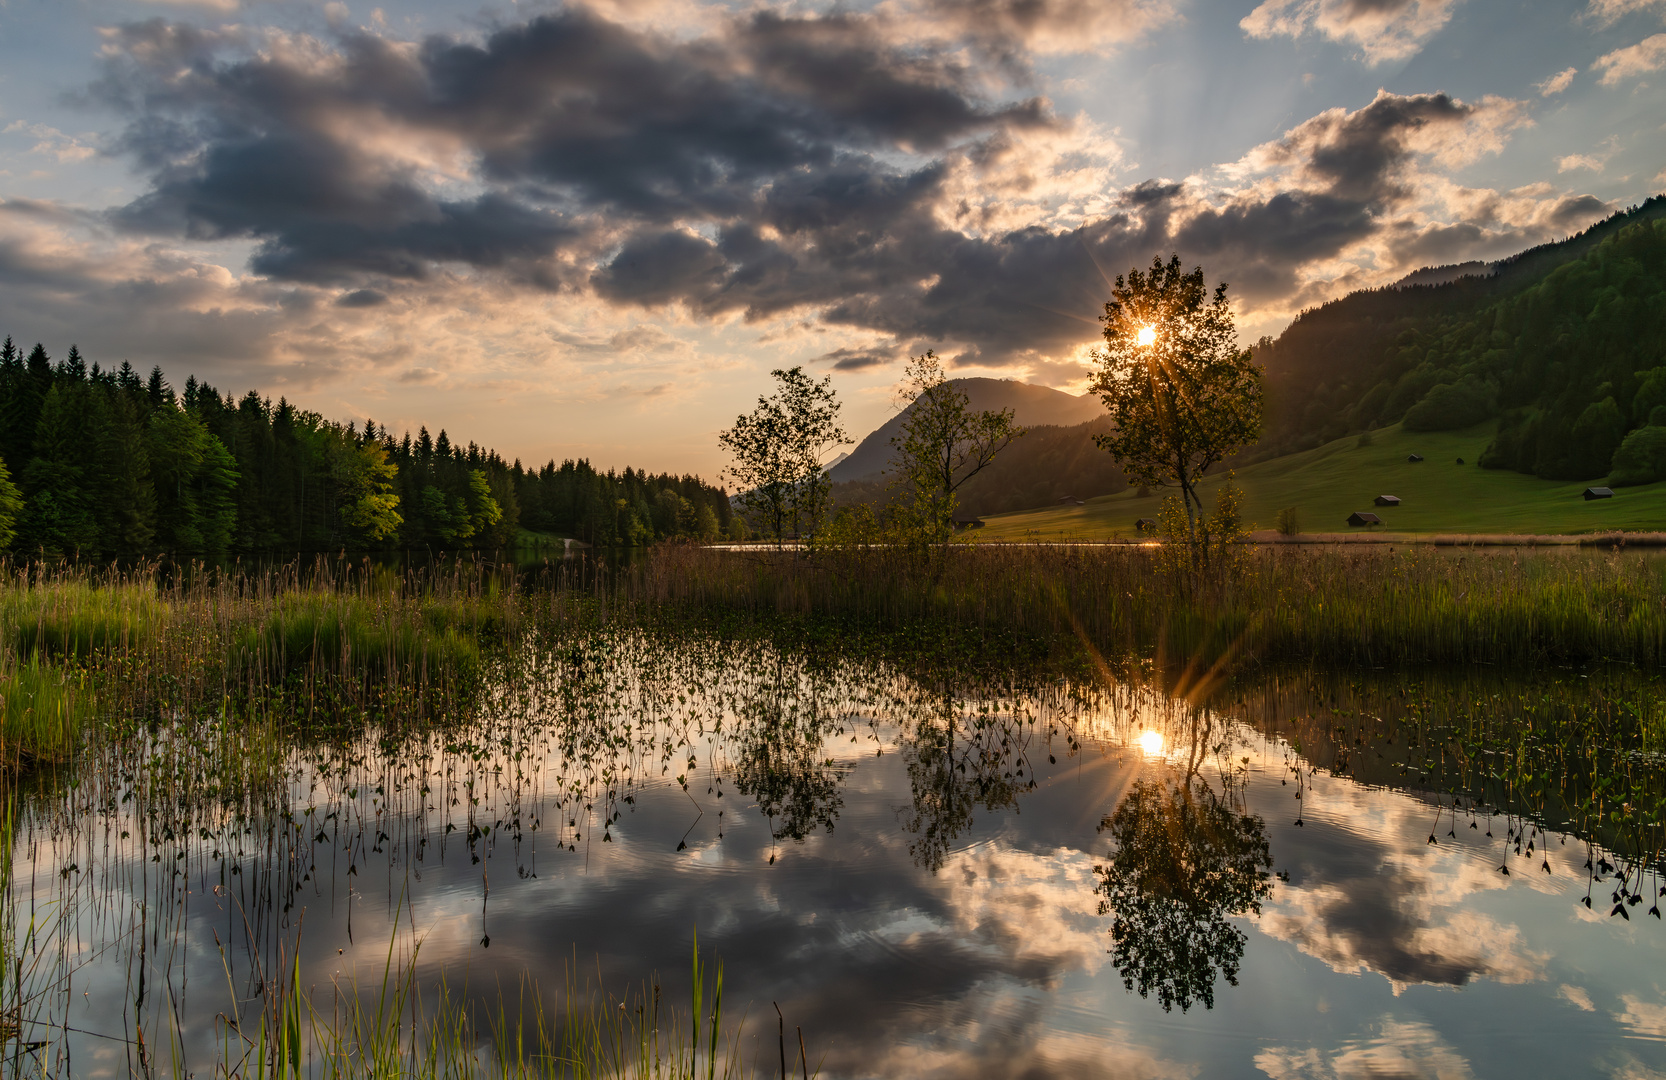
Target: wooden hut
(1388, 500)
(1597, 493)
(1071, 500)
(1145, 525)
(1414, 457)
(1361, 517)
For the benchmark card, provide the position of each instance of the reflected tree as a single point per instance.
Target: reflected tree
(955, 765)
(1186, 860)
(779, 756)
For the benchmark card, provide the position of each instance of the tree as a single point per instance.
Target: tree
(1182, 395)
(942, 445)
(11, 506)
(778, 449)
(364, 481)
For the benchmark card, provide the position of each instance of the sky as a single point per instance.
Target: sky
(592, 230)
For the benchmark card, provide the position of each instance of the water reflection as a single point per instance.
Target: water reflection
(935, 875)
(1186, 861)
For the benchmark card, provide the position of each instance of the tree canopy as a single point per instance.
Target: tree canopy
(777, 451)
(1181, 394)
(942, 445)
(106, 461)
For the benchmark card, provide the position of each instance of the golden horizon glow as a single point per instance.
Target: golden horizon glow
(1146, 336)
(1151, 743)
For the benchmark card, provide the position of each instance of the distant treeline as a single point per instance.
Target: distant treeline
(1564, 344)
(109, 462)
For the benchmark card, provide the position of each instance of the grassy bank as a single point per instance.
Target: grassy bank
(298, 643)
(1327, 484)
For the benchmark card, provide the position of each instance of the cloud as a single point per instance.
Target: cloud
(819, 172)
(1608, 12)
(1384, 30)
(52, 142)
(1046, 27)
(1577, 997)
(1400, 1048)
(1633, 60)
(1644, 1018)
(1557, 82)
(847, 359)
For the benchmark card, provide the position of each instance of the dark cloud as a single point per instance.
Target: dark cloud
(857, 359)
(362, 298)
(776, 163)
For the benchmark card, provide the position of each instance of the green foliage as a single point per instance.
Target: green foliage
(1453, 406)
(105, 462)
(777, 452)
(11, 506)
(941, 446)
(1564, 342)
(1181, 395)
(1289, 521)
(1641, 459)
(43, 710)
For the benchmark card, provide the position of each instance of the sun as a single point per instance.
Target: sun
(1151, 743)
(1146, 336)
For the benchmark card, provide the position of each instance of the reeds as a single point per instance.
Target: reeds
(1373, 607)
(296, 642)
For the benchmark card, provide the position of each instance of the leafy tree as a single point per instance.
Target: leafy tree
(1641, 459)
(11, 506)
(1182, 395)
(778, 449)
(1185, 862)
(365, 479)
(941, 446)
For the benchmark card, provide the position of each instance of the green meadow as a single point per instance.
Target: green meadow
(1326, 484)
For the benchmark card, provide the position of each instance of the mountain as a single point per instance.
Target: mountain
(1032, 406)
(1050, 463)
(1564, 344)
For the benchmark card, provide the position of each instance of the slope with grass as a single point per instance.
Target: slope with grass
(1330, 482)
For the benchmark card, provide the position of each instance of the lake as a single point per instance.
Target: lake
(1018, 873)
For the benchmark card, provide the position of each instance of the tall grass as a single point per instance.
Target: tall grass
(389, 1031)
(306, 641)
(1371, 607)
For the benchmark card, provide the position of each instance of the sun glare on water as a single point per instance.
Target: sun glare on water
(1151, 743)
(1147, 335)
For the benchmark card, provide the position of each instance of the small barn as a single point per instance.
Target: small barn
(1071, 500)
(1597, 493)
(962, 524)
(1387, 500)
(1414, 457)
(1362, 518)
(1145, 525)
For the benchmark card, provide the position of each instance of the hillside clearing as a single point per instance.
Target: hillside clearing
(1328, 483)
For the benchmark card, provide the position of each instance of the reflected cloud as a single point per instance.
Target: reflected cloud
(1403, 1050)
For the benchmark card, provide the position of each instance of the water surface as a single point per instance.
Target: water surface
(931, 876)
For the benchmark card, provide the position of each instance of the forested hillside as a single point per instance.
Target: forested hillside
(103, 461)
(1565, 344)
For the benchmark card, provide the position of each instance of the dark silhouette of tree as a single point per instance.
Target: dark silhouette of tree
(780, 760)
(1185, 862)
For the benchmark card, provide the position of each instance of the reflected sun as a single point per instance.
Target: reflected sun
(1151, 743)
(1146, 336)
